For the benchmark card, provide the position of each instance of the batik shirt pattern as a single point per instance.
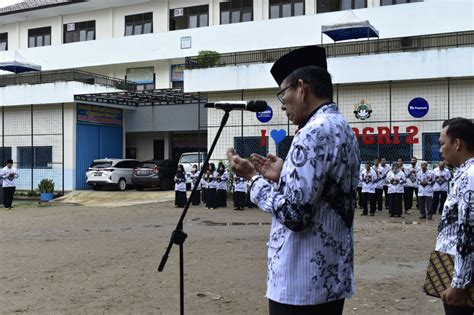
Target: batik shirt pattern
(310, 251)
(456, 229)
(411, 176)
(395, 180)
(441, 179)
(369, 181)
(425, 183)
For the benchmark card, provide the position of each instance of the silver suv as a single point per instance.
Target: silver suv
(111, 172)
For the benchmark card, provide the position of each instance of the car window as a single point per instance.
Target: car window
(120, 165)
(192, 158)
(101, 164)
(147, 165)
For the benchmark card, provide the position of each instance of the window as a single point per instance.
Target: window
(39, 157)
(286, 8)
(245, 146)
(139, 24)
(38, 37)
(5, 154)
(190, 17)
(339, 5)
(390, 2)
(79, 32)
(431, 146)
(236, 11)
(392, 152)
(144, 77)
(3, 41)
(283, 147)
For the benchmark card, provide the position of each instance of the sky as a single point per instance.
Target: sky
(6, 3)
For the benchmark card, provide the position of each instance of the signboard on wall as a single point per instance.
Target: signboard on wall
(418, 107)
(186, 42)
(99, 115)
(143, 75)
(177, 73)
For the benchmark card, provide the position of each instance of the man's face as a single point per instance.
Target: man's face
(367, 166)
(9, 165)
(441, 165)
(376, 163)
(447, 147)
(383, 162)
(400, 163)
(424, 167)
(293, 102)
(413, 161)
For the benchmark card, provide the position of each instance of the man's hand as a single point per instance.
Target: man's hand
(242, 167)
(270, 167)
(455, 297)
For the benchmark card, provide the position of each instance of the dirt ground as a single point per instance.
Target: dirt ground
(66, 259)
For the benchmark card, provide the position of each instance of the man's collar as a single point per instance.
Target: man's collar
(312, 113)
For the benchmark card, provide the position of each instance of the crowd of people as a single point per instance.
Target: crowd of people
(213, 188)
(400, 185)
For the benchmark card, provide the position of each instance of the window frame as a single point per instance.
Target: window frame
(140, 19)
(425, 144)
(35, 33)
(338, 6)
(34, 157)
(240, 145)
(4, 39)
(235, 8)
(393, 2)
(280, 8)
(86, 26)
(201, 10)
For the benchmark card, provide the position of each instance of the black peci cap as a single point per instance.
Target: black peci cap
(299, 58)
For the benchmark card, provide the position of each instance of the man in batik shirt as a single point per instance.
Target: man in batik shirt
(456, 229)
(311, 195)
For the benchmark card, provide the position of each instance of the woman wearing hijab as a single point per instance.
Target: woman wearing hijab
(180, 187)
(240, 197)
(196, 198)
(221, 179)
(211, 186)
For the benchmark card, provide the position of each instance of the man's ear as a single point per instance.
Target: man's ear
(458, 144)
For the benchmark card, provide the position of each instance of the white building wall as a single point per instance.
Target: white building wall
(143, 142)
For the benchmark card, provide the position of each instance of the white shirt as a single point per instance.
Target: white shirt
(310, 251)
(194, 180)
(222, 181)
(441, 179)
(456, 229)
(210, 179)
(385, 170)
(395, 182)
(425, 177)
(369, 181)
(240, 184)
(8, 177)
(180, 183)
(411, 174)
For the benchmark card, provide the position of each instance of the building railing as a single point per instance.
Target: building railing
(41, 77)
(361, 47)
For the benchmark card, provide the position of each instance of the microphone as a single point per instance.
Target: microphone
(251, 106)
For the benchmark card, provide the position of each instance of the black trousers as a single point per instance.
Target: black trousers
(211, 197)
(395, 204)
(221, 198)
(240, 199)
(385, 190)
(408, 197)
(379, 198)
(439, 197)
(330, 308)
(196, 199)
(368, 198)
(451, 310)
(8, 193)
(180, 199)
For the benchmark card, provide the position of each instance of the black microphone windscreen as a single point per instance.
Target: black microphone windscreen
(257, 106)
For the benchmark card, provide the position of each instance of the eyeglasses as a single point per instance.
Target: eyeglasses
(281, 95)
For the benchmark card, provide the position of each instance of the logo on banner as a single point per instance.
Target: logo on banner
(266, 115)
(418, 107)
(362, 110)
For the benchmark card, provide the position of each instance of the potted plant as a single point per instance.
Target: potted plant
(46, 189)
(207, 58)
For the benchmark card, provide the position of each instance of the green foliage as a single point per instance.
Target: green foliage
(207, 58)
(46, 186)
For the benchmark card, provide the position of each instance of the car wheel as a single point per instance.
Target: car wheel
(165, 184)
(139, 188)
(96, 187)
(122, 184)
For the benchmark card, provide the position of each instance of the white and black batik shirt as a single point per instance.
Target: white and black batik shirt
(442, 178)
(310, 251)
(456, 229)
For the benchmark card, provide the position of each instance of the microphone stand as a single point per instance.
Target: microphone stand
(178, 236)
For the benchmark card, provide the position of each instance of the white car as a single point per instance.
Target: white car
(189, 159)
(111, 172)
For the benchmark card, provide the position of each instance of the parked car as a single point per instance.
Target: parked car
(189, 159)
(111, 172)
(159, 174)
